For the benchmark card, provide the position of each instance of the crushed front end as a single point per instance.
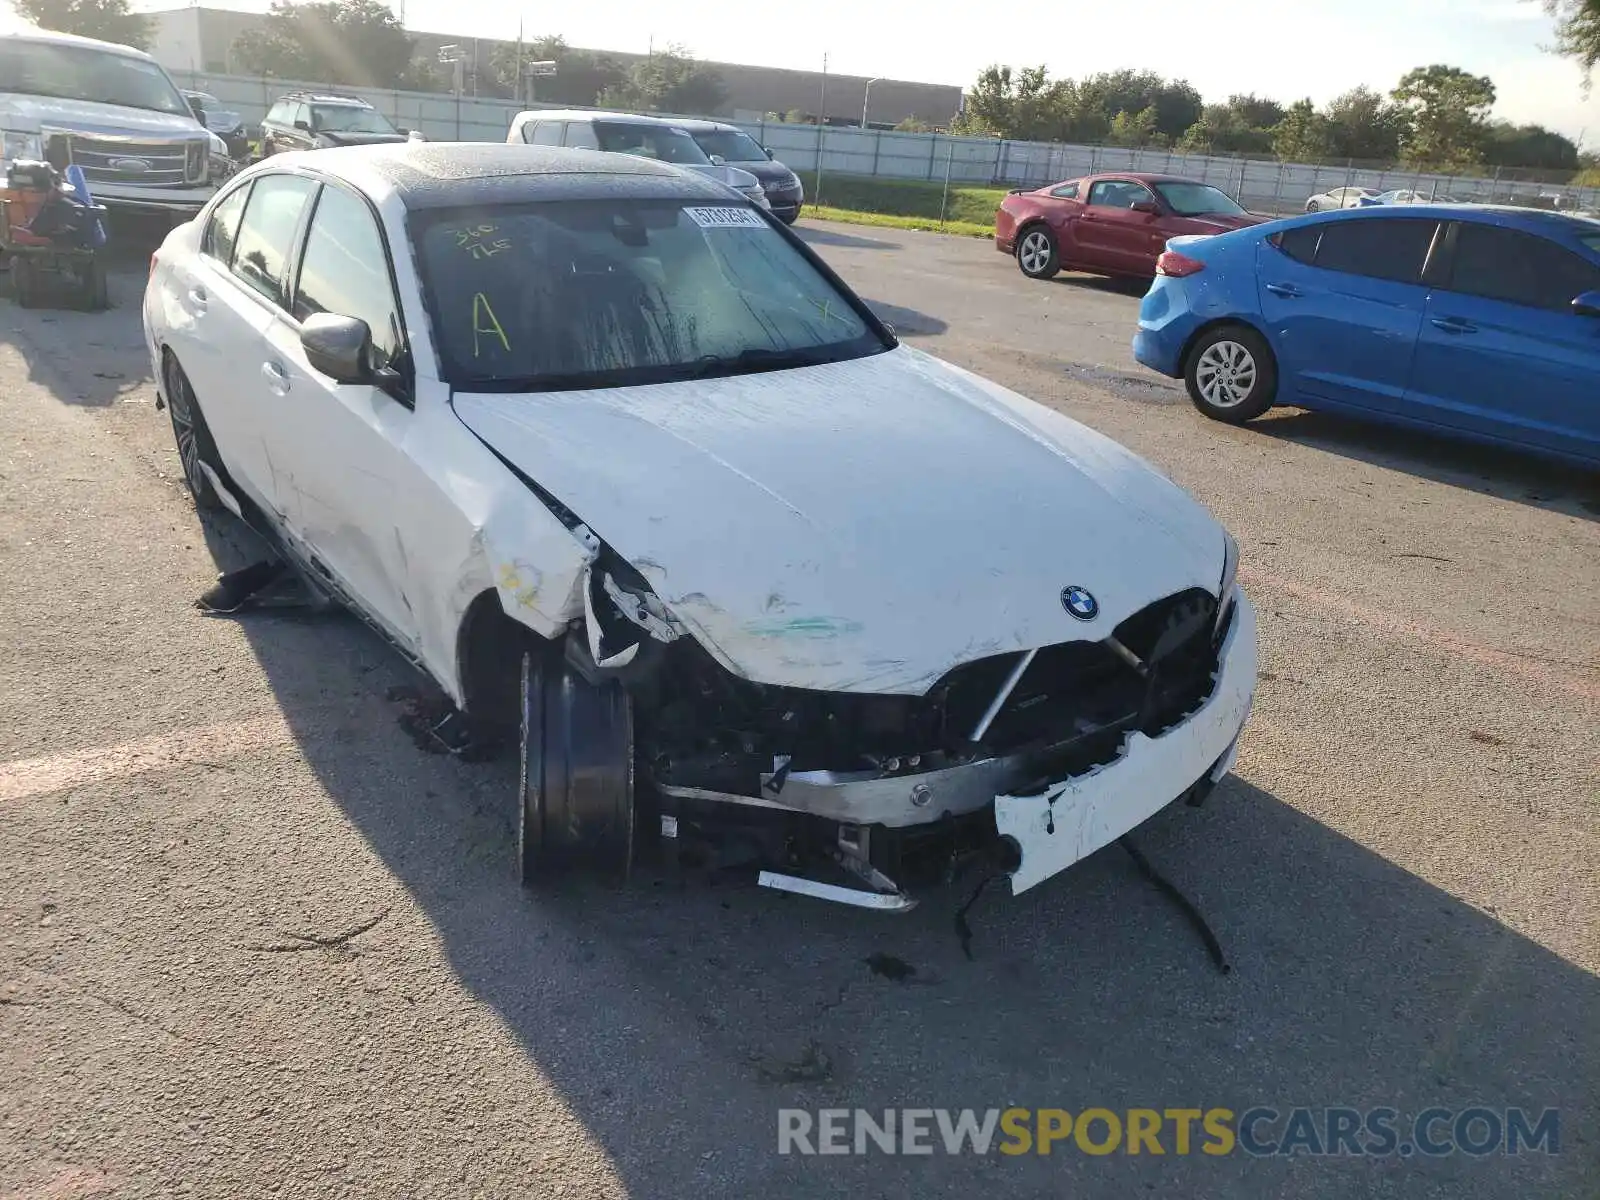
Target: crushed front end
(1027, 761)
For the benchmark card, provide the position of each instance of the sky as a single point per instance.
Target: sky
(1283, 49)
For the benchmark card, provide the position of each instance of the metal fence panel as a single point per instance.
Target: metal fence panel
(1266, 186)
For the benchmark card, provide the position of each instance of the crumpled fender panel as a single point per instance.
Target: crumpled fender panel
(472, 525)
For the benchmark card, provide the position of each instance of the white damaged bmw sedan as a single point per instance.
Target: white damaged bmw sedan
(616, 460)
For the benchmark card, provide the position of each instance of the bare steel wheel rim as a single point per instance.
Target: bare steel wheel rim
(180, 406)
(1035, 252)
(1226, 374)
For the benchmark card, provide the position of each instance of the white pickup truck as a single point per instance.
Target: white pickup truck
(125, 122)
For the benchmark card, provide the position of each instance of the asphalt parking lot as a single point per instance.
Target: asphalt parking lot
(254, 941)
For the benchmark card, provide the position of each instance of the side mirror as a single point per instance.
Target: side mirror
(1148, 207)
(769, 152)
(198, 109)
(303, 125)
(338, 347)
(718, 161)
(1587, 305)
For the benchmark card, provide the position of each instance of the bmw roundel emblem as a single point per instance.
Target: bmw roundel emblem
(1080, 602)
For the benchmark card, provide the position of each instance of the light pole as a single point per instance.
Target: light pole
(866, 99)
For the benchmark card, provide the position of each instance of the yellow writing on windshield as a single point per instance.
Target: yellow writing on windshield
(480, 241)
(485, 322)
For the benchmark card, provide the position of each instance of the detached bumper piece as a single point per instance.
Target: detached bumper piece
(1068, 820)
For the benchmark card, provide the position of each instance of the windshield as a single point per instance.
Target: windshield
(732, 144)
(350, 118)
(1197, 199)
(81, 73)
(649, 141)
(574, 294)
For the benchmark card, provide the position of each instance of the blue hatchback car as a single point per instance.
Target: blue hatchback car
(1479, 321)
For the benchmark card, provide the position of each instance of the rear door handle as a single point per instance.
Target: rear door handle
(277, 378)
(1453, 325)
(1287, 290)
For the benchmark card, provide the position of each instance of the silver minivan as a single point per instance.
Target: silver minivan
(630, 133)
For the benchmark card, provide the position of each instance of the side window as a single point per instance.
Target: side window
(222, 230)
(1518, 268)
(1118, 193)
(1300, 244)
(544, 133)
(1067, 191)
(277, 113)
(345, 271)
(1392, 248)
(267, 232)
(581, 135)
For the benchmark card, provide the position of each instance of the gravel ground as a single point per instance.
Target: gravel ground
(254, 942)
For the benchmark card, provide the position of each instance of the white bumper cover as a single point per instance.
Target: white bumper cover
(1093, 810)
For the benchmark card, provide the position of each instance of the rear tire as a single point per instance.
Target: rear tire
(1231, 374)
(575, 785)
(1037, 256)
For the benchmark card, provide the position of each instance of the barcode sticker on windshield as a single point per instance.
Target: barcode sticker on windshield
(725, 218)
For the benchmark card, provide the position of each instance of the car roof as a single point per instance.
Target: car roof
(326, 98)
(427, 175)
(696, 125)
(1511, 215)
(1139, 177)
(596, 114)
(51, 38)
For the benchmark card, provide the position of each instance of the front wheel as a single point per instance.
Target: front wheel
(1231, 374)
(192, 435)
(576, 774)
(1036, 253)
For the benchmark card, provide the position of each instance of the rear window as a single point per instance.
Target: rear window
(571, 294)
(1391, 248)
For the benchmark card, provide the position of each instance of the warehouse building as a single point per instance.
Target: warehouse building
(199, 41)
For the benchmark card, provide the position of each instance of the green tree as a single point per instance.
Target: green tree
(579, 79)
(1449, 111)
(1135, 129)
(108, 20)
(357, 43)
(1176, 104)
(671, 81)
(1302, 135)
(913, 124)
(1365, 126)
(1241, 126)
(1534, 146)
(1025, 104)
(1577, 31)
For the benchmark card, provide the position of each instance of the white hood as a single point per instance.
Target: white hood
(28, 113)
(859, 526)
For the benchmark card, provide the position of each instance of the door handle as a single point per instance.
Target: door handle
(198, 299)
(1287, 290)
(277, 378)
(1453, 325)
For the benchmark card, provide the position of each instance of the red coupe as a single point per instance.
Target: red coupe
(1109, 224)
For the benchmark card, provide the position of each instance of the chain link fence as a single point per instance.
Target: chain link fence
(1262, 185)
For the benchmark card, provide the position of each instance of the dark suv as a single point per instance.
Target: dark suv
(314, 121)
